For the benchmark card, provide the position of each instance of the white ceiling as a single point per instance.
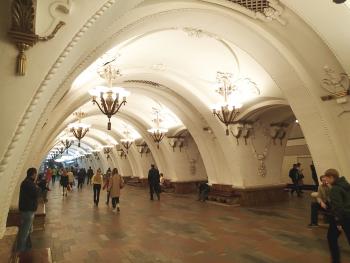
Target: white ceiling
(330, 21)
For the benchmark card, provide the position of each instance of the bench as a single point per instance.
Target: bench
(14, 217)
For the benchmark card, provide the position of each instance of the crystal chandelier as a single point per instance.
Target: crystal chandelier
(107, 149)
(111, 98)
(127, 141)
(157, 132)
(79, 129)
(233, 94)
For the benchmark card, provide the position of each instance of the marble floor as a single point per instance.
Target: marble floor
(179, 229)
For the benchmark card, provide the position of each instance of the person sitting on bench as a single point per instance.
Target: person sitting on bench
(203, 192)
(322, 201)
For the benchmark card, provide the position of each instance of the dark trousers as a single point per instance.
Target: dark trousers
(154, 188)
(108, 195)
(315, 207)
(333, 235)
(115, 201)
(80, 184)
(203, 195)
(296, 187)
(97, 190)
(88, 180)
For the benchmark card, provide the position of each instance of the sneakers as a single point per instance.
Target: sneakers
(114, 210)
(313, 225)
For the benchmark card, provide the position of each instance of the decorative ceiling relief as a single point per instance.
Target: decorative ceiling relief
(58, 11)
(266, 10)
(337, 85)
(22, 31)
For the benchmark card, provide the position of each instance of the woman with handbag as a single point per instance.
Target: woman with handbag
(115, 184)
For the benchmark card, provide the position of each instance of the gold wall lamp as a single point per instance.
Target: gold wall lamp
(22, 31)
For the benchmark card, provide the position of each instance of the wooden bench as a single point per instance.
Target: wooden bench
(167, 186)
(14, 217)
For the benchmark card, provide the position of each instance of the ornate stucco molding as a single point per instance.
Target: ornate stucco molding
(265, 10)
(22, 31)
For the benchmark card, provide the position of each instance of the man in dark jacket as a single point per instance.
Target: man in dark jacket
(90, 173)
(81, 178)
(340, 211)
(28, 203)
(154, 182)
(294, 175)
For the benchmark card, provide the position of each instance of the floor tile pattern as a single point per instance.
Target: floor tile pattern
(179, 229)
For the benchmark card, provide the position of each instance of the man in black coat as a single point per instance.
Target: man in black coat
(154, 182)
(90, 173)
(28, 204)
(294, 175)
(81, 178)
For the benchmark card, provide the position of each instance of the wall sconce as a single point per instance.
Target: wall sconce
(143, 148)
(241, 129)
(122, 154)
(176, 141)
(22, 32)
(278, 131)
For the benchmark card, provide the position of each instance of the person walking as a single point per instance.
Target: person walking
(115, 184)
(90, 173)
(70, 175)
(294, 176)
(28, 204)
(106, 186)
(97, 180)
(64, 182)
(340, 211)
(81, 177)
(54, 175)
(154, 182)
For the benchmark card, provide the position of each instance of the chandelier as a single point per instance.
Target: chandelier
(233, 94)
(79, 129)
(127, 141)
(66, 142)
(157, 132)
(111, 98)
(95, 153)
(107, 150)
(61, 149)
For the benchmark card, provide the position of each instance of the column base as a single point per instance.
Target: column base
(223, 193)
(264, 195)
(185, 187)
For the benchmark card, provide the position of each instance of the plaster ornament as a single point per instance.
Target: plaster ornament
(336, 84)
(194, 32)
(274, 12)
(261, 157)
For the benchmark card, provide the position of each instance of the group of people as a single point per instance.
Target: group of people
(333, 199)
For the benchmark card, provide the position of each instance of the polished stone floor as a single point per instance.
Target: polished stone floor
(178, 229)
